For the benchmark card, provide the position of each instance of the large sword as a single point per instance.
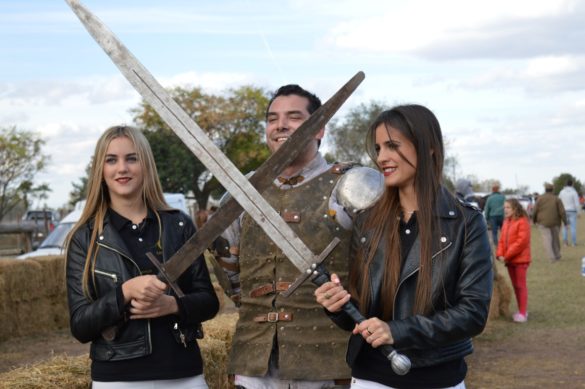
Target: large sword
(261, 180)
(198, 142)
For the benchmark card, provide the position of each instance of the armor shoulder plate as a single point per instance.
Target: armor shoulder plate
(359, 188)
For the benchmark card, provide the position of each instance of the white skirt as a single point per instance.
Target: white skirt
(197, 382)
(356, 383)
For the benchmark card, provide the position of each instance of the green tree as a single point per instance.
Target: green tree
(234, 120)
(560, 181)
(347, 137)
(79, 191)
(22, 159)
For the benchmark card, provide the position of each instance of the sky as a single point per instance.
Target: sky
(506, 79)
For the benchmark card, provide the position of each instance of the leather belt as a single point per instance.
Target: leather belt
(273, 317)
(269, 288)
(235, 267)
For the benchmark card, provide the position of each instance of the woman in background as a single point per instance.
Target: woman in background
(140, 332)
(421, 266)
(514, 250)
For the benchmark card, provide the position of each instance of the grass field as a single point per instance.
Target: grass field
(549, 350)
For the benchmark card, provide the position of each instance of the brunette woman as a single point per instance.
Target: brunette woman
(514, 250)
(421, 263)
(141, 334)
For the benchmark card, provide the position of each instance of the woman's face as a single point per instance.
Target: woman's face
(122, 170)
(399, 169)
(508, 211)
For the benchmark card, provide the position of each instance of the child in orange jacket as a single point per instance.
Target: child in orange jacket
(514, 250)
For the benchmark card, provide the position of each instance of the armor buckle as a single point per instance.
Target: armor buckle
(272, 317)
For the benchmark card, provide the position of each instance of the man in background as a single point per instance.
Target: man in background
(494, 212)
(549, 213)
(570, 199)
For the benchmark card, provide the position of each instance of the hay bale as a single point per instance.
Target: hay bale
(61, 371)
(501, 297)
(32, 296)
(215, 349)
(64, 371)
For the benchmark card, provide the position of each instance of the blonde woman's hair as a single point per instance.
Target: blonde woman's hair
(98, 198)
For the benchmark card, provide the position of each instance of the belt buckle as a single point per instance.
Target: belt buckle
(272, 317)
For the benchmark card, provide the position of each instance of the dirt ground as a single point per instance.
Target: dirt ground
(539, 360)
(532, 359)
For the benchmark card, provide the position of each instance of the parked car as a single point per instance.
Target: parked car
(478, 199)
(44, 222)
(55, 242)
(527, 202)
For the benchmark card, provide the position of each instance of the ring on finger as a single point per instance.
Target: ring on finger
(369, 332)
(327, 296)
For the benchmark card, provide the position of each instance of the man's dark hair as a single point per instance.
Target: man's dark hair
(294, 89)
(569, 182)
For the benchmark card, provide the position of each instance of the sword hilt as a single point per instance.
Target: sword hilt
(310, 272)
(400, 363)
(163, 276)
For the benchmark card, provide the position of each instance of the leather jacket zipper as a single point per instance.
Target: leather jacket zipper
(413, 272)
(181, 335)
(138, 268)
(113, 276)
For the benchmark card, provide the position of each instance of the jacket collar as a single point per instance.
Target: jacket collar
(447, 206)
(110, 237)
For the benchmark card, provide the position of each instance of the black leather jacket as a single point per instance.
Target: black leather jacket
(114, 266)
(461, 288)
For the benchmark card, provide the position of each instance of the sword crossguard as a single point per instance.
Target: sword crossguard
(163, 276)
(312, 271)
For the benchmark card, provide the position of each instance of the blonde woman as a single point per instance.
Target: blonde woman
(140, 332)
(421, 266)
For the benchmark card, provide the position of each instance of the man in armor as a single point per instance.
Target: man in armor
(288, 342)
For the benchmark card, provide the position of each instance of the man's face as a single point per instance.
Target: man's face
(285, 115)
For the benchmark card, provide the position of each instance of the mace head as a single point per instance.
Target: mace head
(400, 363)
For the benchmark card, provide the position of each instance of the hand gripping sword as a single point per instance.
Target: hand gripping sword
(198, 142)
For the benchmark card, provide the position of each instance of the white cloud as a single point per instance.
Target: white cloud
(459, 28)
(210, 82)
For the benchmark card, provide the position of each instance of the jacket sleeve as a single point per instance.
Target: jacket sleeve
(200, 302)
(467, 313)
(561, 210)
(87, 319)
(521, 238)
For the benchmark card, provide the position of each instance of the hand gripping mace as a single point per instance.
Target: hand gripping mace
(400, 363)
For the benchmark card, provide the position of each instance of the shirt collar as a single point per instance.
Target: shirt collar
(317, 166)
(120, 222)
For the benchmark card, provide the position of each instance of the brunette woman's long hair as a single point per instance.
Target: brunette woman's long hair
(98, 197)
(420, 126)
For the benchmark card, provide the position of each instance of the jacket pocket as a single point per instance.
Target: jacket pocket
(107, 275)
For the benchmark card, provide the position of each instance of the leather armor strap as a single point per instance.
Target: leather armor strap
(273, 317)
(269, 288)
(235, 267)
(291, 216)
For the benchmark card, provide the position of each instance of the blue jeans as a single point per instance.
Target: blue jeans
(496, 225)
(572, 225)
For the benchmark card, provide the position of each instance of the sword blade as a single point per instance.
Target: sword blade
(196, 140)
(261, 180)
